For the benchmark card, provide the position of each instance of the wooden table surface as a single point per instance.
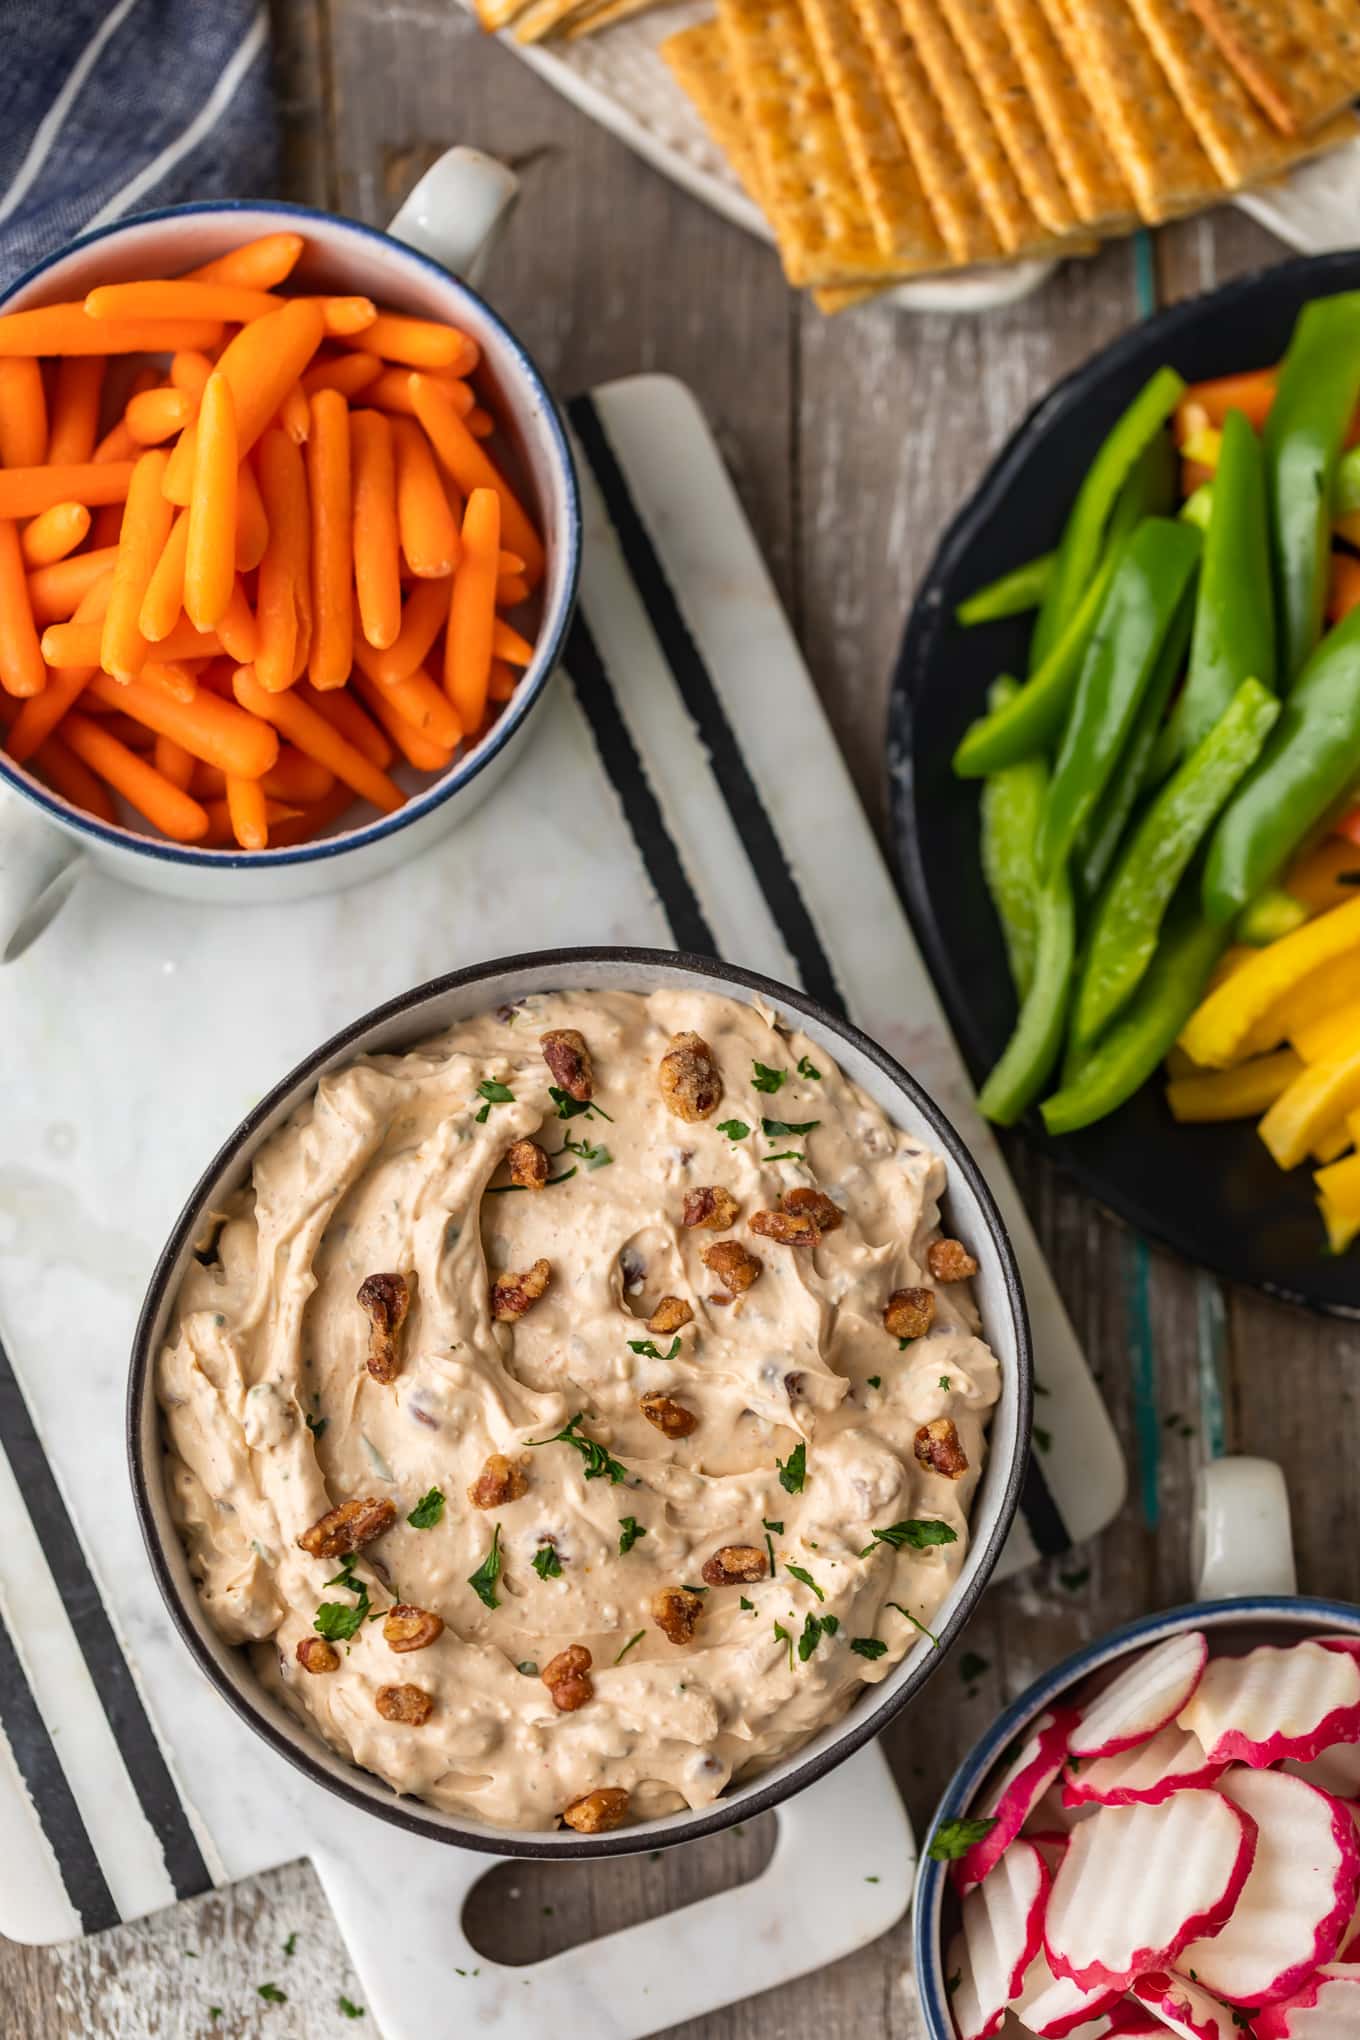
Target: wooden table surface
(852, 442)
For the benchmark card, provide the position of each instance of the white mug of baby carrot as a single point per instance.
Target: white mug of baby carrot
(236, 704)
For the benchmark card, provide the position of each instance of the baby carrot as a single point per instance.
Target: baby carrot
(503, 681)
(252, 525)
(22, 670)
(168, 676)
(293, 415)
(146, 526)
(429, 536)
(156, 415)
(210, 552)
(295, 719)
(175, 814)
(246, 807)
(189, 372)
(208, 727)
(222, 834)
(56, 590)
(77, 644)
(296, 777)
(117, 444)
(106, 526)
(72, 778)
(471, 469)
(472, 610)
(40, 715)
(419, 343)
(392, 392)
(76, 393)
(349, 374)
(342, 711)
(416, 746)
(507, 644)
(331, 653)
(23, 414)
(261, 364)
(26, 491)
(173, 762)
(283, 570)
(314, 819)
(422, 619)
(164, 598)
(511, 590)
(256, 265)
(65, 329)
(480, 422)
(377, 575)
(54, 534)
(238, 629)
(417, 700)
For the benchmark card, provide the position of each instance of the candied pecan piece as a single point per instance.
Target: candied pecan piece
(348, 1527)
(314, 1654)
(670, 1314)
(803, 1219)
(385, 1300)
(676, 1612)
(527, 1163)
(566, 1054)
(410, 1628)
(733, 1264)
(567, 1678)
(594, 1813)
(938, 1448)
(733, 1562)
(691, 1083)
(512, 1294)
(671, 1418)
(411, 1704)
(712, 1207)
(950, 1261)
(909, 1313)
(501, 1480)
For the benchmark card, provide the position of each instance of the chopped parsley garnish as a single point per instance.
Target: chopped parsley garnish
(800, 1573)
(917, 1533)
(649, 1351)
(629, 1532)
(636, 1638)
(777, 1129)
(766, 1079)
(427, 1510)
(954, 1838)
(787, 1155)
(504, 1189)
(903, 1344)
(875, 1381)
(782, 1636)
(749, 1606)
(317, 1425)
(868, 1646)
(483, 1581)
(492, 1093)
(735, 1129)
(271, 1993)
(945, 1383)
(952, 1982)
(809, 1070)
(290, 1945)
(907, 1615)
(793, 1470)
(599, 1465)
(768, 1523)
(334, 1620)
(349, 2008)
(572, 1108)
(594, 1157)
(815, 1627)
(546, 1563)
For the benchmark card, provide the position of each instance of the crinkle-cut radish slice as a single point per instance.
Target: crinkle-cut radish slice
(1051, 1844)
(1327, 2007)
(1000, 1930)
(1298, 1901)
(1276, 1702)
(1139, 1882)
(1012, 1801)
(1184, 2008)
(1145, 1775)
(1146, 1696)
(1055, 2007)
(1335, 1770)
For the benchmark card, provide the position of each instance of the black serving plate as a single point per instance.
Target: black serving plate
(1210, 1192)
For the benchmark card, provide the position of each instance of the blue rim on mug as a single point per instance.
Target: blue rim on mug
(552, 635)
(1299, 1611)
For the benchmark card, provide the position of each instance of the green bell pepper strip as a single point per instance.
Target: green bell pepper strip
(1126, 1055)
(1012, 801)
(1272, 915)
(1198, 507)
(1234, 637)
(1314, 404)
(1121, 660)
(1123, 937)
(1029, 1056)
(1010, 594)
(1346, 488)
(1083, 538)
(1312, 757)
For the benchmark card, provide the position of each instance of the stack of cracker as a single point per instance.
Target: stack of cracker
(889, 139)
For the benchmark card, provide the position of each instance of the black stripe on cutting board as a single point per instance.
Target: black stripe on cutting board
(1042, 1517)
(627, 775)
(108, 1668)
(52, 1797)
(730, 771)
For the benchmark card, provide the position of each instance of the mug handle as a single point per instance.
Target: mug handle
(454, 212)
(1243, 1543)
(39, 866)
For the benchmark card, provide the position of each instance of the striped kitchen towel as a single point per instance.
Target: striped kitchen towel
(113, 109)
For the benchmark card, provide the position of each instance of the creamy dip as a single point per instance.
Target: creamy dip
(790, 1422)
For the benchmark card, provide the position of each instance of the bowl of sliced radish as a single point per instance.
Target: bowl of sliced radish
(1162, 1836)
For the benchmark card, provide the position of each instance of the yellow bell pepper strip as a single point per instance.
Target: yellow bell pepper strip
(1083, 539)
(1203, 447)
(1341, 1227)
(1327, 875)
(1323, 1094)
(1314, 404)
(1242, 1093)
(1331, 1145)
(1153, 574)
(1353, 1122)
(1341, 1183)
(1271, 915)
(1198, 506)
(1327, 1034)
(1028, 1058)
(1129, 1051)
(1334, 984)
(1010, 594)
(1250, 1002)
(1012, 802)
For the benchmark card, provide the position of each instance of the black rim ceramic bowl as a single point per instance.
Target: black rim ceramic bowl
(414, 1018)
(1210, 1192)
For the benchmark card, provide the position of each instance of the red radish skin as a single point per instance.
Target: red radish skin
(1275, 1703)
(1138, 1883)
(1000, 1933)
(1019, 1792)
(1143, 1776)
(1185, 2009)
(1129, 2019)
(1056, 2008)
(1147, 1696)
(1326, 2008)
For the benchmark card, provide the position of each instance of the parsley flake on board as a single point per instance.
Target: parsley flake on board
(782, 1636)
(954, 1838)
(349, 2008)
(868, 1646)
(427, 1510)
(629, 1532)
(735, 1129)
(317, 1425)
(809, 1070)
(483, 1581)
(546, 1563)
(334, 1620)
(271, 1993)
(649, 1351)
(290, 1945)
(793, 1470)
(766, 1079)
(572, 1108)
(915, 1532)
(636, 1638)
(599, 1465)
(779, 1129)
(815, 1627)
(492, 1093)
(907, 1616)
(800, 1573)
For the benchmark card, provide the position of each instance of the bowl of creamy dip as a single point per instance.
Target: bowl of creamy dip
(582, 1403)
